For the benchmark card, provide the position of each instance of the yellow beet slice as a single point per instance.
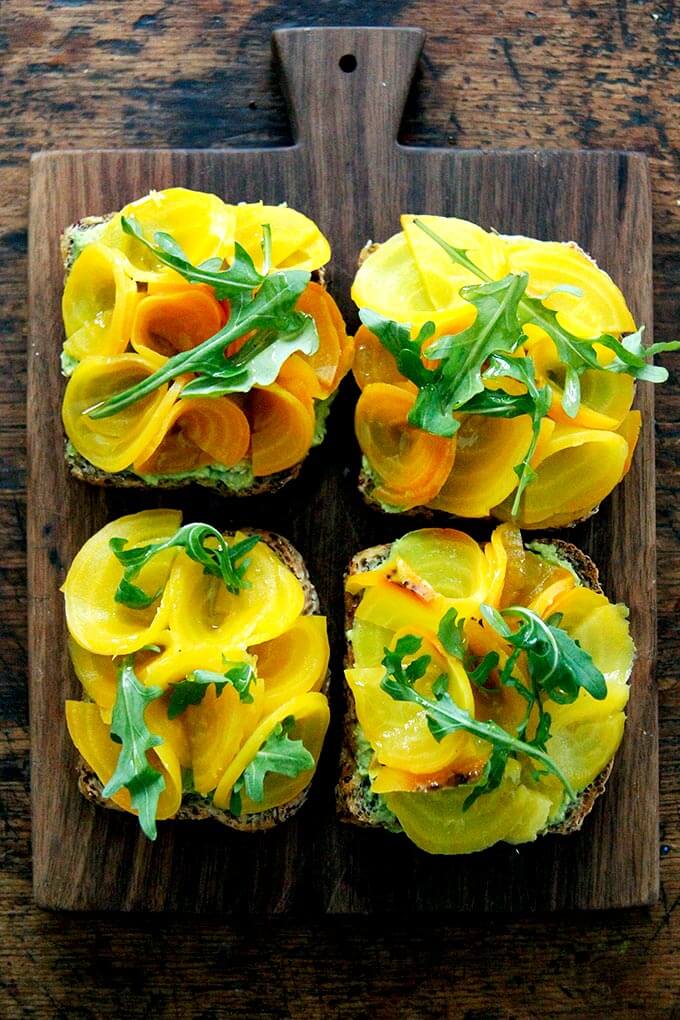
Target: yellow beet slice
(436, 822)
(171, 321)
(203, 612)
(582, 749)
(293, 663)
(601, 307)
(487, 450)
(397, 730)
(201, 224)
(442, 277)
(94, 619)
(311, 714)
(112, 444)
(282, 429)
(296, 240)
(92, 740)
(369, 642)
(393, 608)
(373, 363)
(411, 465)
(579, 468)
(98, 304)
(174, 663)
(606, 397)
(449, 560)
(97, 674)
(389, 282)
(216, 728)
(195, 432)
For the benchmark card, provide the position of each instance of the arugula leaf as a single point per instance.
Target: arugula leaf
(192, 690)
(556, 662)
(576, 353)
(240, 277)
(128, 728)
(458, 378)
(263, 306)
(537, 401)
(451, 635)
(444, 716)
(491, 777)
(219, 560)
(278, 754)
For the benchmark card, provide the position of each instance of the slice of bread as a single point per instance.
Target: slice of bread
(73, 239)
(355, 802)
(194, 807)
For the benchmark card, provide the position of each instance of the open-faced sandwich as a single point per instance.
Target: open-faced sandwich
(203, 662)
(486, 688)
(201, 343)
(497, 375)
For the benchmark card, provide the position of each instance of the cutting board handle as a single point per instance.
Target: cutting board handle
(335, 77)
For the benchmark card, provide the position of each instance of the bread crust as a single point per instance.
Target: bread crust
(82, 469)
(350, 790)
(197, 809)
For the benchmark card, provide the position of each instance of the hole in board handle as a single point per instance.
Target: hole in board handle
(347, 63)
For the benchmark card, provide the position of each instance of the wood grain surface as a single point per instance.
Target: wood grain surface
(191, 73)
(348, 172)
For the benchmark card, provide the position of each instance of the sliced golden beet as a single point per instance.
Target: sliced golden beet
(436, 822)
(296, 240)
(293, 663)
(606, 397)
(200, 223)
(483, 474)
(578, 469)
(98, 305)
(315, 301)
(398, 731)
(599, 307)
(450, 561)
(168, 322)
(95, 620)
(195, 432)
(443, 278)
(411, 464)
(203, 612)
(311, 717)
(282, 429)
(217, 727)
(92, 738)
(113, 443)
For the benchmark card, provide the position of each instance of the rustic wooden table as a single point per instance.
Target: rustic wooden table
(88, 73)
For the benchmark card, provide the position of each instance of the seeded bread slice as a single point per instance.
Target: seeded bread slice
(194, 807)
(355, 803)
(74, 238)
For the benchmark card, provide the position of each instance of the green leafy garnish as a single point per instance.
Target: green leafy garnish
(558, 669)
(576, 353)
(458, 377)
(262, 306)
(240, 278)
(229, 563)
(444, 717)
(279, 754)
(556, 662)
(128, 728)
(451, 634)
(486, 350)
(192, 690)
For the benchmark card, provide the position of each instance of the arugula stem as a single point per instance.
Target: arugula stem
(492, 733)
(176, 365)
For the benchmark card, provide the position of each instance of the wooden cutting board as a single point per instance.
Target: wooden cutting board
(347, 89)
